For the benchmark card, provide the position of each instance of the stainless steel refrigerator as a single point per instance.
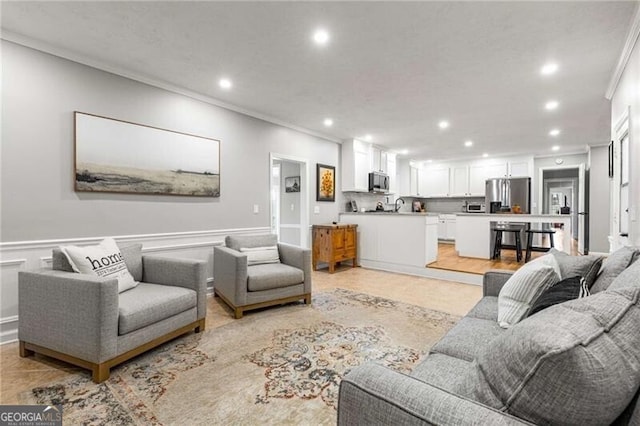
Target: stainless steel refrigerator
(508, 192)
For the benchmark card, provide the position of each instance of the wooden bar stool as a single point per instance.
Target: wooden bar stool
(531, 247)
(497, 245)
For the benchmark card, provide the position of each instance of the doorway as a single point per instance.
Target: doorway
(563, 190)
(289, 199)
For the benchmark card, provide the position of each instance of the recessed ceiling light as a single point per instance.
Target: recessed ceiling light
(554, 132)
(549, 68)
(321, 37)
(404, 152)
(551, 105)
(443, 124)
(485, 155)
(225, 83)
(368, 138)
(555, 148)
(468, 143)
(328, 122)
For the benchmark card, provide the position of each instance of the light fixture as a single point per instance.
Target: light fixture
(549, 68)
(551, 105)
(554, 132)
(368, 138)
(225, 83)
(328, 122)
(485, 155)
(321, 37)
(429, 161)
(555, 148)
(404, 152)
(468, 143)
(443, 124)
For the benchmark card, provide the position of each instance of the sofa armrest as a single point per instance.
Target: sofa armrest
(493, 280)
(76, 314)
(297, 257)
(187, 273)
(372, 394)
(230, 274)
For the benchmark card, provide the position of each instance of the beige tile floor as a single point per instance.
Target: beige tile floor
(20, 374)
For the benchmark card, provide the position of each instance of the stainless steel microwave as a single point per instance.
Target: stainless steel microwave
(378, 182)
(476, 207)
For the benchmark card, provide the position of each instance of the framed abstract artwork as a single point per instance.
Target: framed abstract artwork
(118, 156)
(326, 183)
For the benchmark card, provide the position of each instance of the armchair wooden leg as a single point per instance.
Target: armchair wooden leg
(24, 352)
(100, 372)
(307, 299)
(237, 313)
(200, 327)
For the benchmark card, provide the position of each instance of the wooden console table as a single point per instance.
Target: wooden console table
(334, 243)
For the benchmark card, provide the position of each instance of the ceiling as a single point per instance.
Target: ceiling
(391, 70)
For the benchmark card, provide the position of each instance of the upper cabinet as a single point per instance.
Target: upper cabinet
(459, 183)
(520, 168)
(433, 182)
(359, 158)
(356, 164)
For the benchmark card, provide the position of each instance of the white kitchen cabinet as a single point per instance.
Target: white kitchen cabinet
(519, 169)
(447, 227)
(356, 165)
(392, 171)
(433, 182)
(376, 160)
(479, 173)
(459, 184)
(413, 181)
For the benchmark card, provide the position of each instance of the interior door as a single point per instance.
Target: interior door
(583, 247)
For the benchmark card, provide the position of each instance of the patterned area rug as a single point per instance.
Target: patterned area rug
(278, 366)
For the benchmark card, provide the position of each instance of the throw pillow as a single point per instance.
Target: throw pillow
(260, 255)
(574, 363)
(583, 266)
(617, 262)
(568, 289)
(103, 260)
(523, 288)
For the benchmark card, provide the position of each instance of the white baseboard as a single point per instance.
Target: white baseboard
(32, 255)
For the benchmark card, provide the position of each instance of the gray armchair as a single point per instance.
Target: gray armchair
(244, 287)
(83, 320)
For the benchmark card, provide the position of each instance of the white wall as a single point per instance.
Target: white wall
(40, 209)
(627, 97)
(599, 217)
(290, 231)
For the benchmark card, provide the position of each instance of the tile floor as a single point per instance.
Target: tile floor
(20, 374)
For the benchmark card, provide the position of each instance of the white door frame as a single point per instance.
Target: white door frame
(304, 192)
(581, 197)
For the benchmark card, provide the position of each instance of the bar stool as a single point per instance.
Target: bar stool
(531, 247)
(497, 245)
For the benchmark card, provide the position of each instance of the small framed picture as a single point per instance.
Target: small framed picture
(611, 159)
(292, 184)
(326, 183)
(416, 206)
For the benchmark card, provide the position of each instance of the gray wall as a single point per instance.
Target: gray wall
(40, 92)
(289, 205)
(599, 187)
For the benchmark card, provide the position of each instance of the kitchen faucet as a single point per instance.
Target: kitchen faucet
(397, 207)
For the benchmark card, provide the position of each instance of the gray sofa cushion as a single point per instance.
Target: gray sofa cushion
(612, 266)
(486, 308)
(149, 303)
(630, 277)
(272, 275)
(467, 338)
(250, 241)
(441, 370)
(580, 266)
(574, 363)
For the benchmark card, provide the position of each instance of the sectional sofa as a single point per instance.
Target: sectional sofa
(577, 362)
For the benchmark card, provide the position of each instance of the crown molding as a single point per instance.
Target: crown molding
(151, 81)
(632, 38)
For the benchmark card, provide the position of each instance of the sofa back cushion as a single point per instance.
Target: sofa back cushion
(617, 262)
(630, 277)
(237, 242)
(574, 363)
(586, 267)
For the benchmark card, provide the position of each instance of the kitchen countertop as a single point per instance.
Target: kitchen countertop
(392, 213)
(514, 214)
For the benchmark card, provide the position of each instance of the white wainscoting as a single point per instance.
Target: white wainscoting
(32, 255)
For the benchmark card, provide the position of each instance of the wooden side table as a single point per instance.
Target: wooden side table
(334, 243)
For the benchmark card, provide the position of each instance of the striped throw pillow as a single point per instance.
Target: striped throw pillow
(260, 255)
(524, 287)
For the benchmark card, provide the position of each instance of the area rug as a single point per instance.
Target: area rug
(275, 366)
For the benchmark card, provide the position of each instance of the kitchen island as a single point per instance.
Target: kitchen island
(402, 242)
(474, 235)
